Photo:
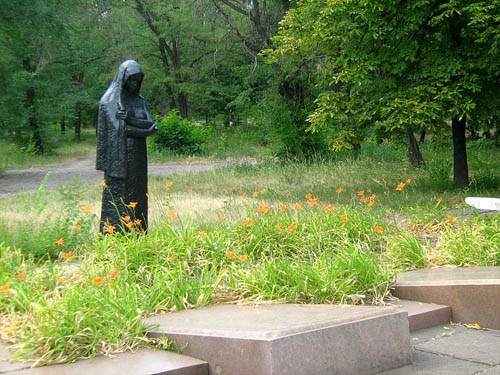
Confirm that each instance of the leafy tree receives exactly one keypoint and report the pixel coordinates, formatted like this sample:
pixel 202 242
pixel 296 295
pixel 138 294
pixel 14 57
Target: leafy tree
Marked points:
pixel 399 65
pixel 28 30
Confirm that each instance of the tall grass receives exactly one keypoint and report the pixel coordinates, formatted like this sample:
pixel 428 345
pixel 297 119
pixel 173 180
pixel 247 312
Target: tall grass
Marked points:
pixel 328 231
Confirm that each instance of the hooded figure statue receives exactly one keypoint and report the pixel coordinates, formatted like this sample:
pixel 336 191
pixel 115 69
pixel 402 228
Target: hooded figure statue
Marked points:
pixel 124 122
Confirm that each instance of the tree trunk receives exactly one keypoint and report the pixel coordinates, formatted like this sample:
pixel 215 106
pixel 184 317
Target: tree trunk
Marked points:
pixel 35 128
pixel 460 169
pixel 422 136
pixel 414 154
pixel 183 107
pixel 78 121
pixel 63 126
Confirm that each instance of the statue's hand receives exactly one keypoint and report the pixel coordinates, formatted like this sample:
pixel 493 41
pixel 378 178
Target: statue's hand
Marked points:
pixel 122 115
pixel 153 129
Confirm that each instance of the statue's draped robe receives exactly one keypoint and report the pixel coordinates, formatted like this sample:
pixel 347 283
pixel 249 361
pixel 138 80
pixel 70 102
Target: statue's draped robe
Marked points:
pixel 123 158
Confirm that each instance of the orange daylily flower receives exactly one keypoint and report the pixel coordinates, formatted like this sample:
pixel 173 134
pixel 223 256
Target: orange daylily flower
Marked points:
pixel 60 280
pixel 6 287
pixel 109 229
pixel 114 273
pixel 103 183
pixel 309 196
pixel 111 282
pixel 132 204
pixel 243 258
pixel 171 213
pixel 378 229
pixel 361 192
pixel 137 221
pixel 60 241
pixel 408 181
pixel 371 203
pixel 231 255
pixel 126 218
pixel 340 190
pixel 129 225
pixel 363 200
pixel 20 276
pixel 373 196
pixel 87 209
pixel 255 194
pixel 283 208
pixel 291 228
pixel 277 226
pixel 169 184
pixel 344 218
pixel 220 218
pixel 263 208
pixel 97 280
pixel 313 202
pixel 440 200
pixel 400 186
pixel 450 219
pixel 201 234
pixel 297 206
pixel 171 258
pixel 78 227
pixel 67 255
pixel 330 207
pixel 248 223
pixel 263 191
pixel 243 195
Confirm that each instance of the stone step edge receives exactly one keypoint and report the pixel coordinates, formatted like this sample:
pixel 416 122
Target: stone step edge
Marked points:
pixel 144 361
pixel 422 315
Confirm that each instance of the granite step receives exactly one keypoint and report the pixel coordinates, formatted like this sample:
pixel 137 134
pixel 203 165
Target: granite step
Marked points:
pixel 141 362
pixel 473 293
pixel 424 315
pixel 276 339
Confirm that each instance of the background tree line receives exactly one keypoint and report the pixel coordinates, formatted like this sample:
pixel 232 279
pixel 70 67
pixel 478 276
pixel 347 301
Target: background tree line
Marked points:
pixel 317 75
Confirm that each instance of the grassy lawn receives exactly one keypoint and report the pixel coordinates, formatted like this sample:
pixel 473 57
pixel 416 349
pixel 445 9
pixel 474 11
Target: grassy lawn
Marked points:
pixel 62 147
pixel 328 231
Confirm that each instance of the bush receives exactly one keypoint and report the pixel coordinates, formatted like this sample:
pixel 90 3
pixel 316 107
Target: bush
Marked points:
pixel 285 122
pixel 179 135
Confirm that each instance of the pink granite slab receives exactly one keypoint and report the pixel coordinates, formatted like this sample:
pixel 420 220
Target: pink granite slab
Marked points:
pixel 473 293
pixel 424 315
pixel 142 362
pixel 277 339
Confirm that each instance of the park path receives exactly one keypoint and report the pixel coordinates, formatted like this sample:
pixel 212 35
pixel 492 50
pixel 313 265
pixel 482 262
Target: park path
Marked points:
pixel 28 180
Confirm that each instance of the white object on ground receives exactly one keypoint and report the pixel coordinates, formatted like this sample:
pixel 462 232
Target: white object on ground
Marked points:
pixel 484 203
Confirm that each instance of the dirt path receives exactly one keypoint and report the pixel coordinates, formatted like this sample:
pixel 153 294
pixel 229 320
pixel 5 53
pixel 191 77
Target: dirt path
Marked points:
pixel 29 180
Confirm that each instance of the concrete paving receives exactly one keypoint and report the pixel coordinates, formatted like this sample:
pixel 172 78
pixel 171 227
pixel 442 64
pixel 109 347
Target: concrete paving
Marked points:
pixel 453 350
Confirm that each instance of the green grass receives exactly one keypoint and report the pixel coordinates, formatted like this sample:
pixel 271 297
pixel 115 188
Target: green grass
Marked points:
pixel 58 148
pixel 224 143
pixel 211 240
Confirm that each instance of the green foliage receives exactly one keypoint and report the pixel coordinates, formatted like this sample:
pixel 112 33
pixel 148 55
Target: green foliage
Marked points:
pixel 393 63
pixel 285 122
pixel 265 247
pixel 180 135
pixel 40 239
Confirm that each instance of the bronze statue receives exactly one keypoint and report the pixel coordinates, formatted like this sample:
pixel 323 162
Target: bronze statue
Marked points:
pixel 124 123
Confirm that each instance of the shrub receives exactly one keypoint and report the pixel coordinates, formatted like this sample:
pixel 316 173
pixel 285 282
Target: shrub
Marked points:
pixel 179 135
